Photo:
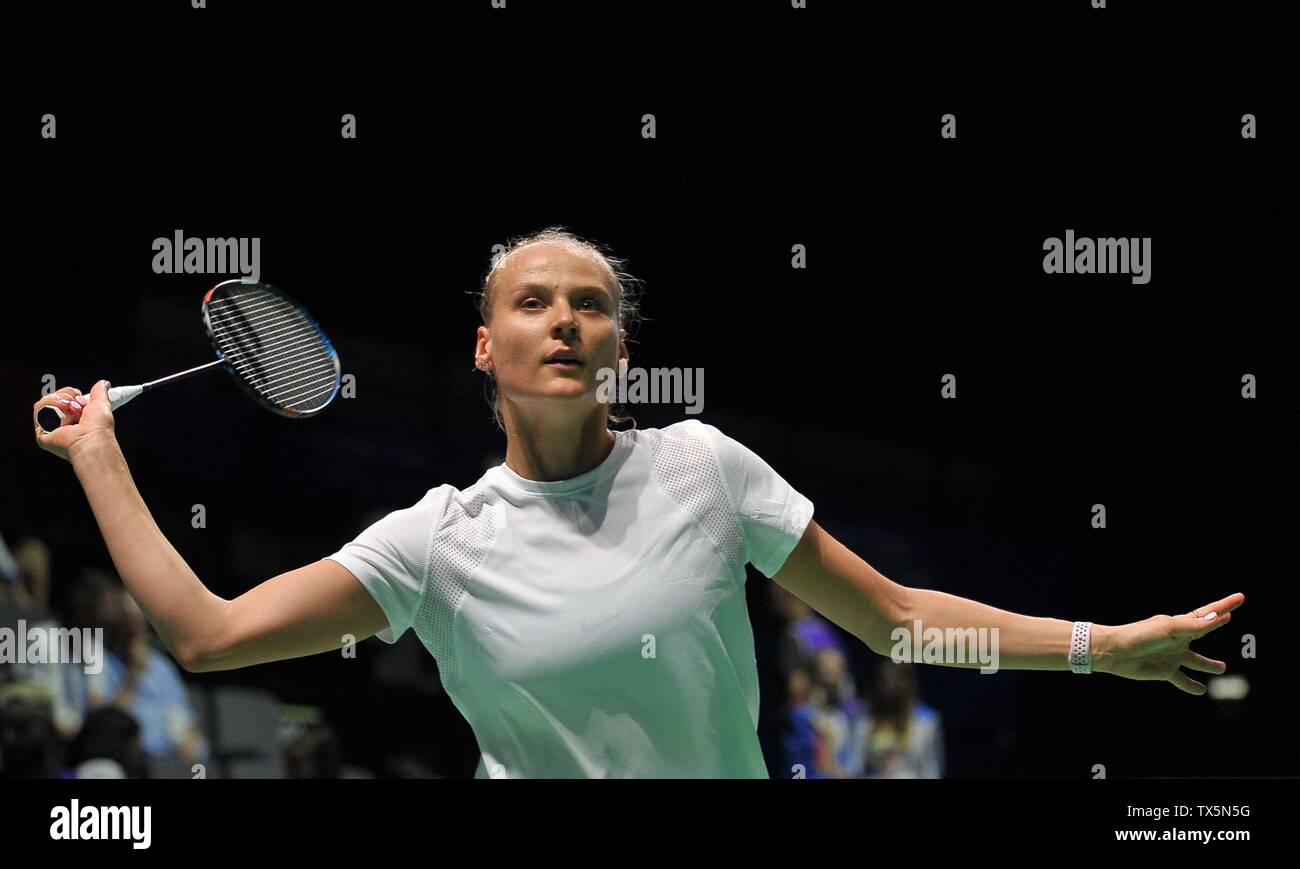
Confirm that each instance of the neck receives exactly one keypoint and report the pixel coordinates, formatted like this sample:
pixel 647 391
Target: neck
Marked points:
pixel 548 447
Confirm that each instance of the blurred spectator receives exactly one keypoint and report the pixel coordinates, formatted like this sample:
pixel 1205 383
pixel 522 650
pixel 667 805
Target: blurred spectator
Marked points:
pixel 802 740
pixel 804 633
pixel 142 680
pixel 314 753
pixel 11 607
pixel 843 719
pixel 407 766
pixel 29 744
pixel 108 746
pixel 904 736
pixel 32 557
pixel 65 681
pixel 8 569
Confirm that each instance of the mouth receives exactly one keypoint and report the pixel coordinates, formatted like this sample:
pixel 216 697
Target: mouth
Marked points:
pixel 564 360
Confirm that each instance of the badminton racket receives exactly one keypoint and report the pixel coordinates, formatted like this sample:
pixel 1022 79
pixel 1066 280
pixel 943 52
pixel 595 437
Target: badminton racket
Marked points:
pixel 266 341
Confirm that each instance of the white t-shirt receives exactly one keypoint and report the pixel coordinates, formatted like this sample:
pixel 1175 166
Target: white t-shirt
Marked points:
pixel 596 626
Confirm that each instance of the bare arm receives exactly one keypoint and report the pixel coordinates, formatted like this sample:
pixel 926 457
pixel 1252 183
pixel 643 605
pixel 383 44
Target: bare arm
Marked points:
pixel 826 575
pixel 851 593
pixel 841 586
pixel 176 603
pixel 302 612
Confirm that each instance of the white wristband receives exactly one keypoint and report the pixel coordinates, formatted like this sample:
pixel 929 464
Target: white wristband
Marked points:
pixel 1080 656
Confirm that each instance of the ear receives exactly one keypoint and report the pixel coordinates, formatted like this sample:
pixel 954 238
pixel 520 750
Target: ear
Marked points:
pixel 481 340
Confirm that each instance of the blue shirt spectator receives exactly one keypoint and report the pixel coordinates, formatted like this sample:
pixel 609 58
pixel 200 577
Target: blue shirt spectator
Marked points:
pixel 159 703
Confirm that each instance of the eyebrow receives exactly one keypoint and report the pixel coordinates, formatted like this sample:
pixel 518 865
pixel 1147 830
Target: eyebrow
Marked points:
pixel 533 287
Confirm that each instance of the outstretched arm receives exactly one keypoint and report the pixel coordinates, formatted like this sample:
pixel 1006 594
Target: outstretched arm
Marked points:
pixel 302 612
pixel 831 579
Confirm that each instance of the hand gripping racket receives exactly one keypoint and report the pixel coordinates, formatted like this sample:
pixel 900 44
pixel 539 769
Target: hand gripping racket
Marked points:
pixel 269 343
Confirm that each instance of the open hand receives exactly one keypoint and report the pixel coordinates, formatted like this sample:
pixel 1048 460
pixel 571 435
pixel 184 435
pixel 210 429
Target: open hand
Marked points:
pixel 1155 648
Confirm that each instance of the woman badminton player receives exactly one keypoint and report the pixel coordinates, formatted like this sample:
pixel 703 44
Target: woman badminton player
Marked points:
pixel 584 600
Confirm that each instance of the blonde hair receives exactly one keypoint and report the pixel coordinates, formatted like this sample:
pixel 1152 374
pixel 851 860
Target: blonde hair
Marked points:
pixel 627 301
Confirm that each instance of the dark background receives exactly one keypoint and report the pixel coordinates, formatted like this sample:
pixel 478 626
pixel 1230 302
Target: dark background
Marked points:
pixel 775 127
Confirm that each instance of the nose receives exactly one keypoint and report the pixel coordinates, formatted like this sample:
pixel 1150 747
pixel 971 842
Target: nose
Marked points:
pixel 564 323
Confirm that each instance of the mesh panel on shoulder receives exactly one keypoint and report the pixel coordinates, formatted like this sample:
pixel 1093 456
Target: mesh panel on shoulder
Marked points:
pixel 457 548
pixel 732 465
pixel 687 469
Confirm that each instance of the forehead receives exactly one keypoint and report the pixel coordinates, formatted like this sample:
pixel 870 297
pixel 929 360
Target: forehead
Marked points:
pixel 554 262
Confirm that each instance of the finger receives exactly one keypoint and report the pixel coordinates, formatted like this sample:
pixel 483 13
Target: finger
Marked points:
pixel 1200 663
pixel 59 397
pixel 71 407
pixel 1191 628
pixel 1186 683
pixel 65 405
pixel 73 399
pixel 1226 605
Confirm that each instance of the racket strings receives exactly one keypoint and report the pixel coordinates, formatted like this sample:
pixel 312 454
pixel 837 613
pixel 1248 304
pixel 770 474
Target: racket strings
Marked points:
pixel 292 371
pixel 274 347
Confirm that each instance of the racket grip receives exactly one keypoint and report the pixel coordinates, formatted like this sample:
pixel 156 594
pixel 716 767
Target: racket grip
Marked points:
pixel 50 416
pixel 120 395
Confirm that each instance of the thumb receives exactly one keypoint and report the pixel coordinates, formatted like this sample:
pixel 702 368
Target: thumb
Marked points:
pixel 98 405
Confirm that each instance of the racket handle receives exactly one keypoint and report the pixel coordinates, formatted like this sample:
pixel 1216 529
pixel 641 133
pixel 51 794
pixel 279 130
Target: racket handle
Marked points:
pixel 50 416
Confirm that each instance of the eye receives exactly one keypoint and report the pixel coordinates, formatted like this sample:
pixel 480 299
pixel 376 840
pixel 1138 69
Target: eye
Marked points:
pixel 530 300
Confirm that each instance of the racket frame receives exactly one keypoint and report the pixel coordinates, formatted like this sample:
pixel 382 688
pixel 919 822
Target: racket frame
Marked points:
pixel 288 413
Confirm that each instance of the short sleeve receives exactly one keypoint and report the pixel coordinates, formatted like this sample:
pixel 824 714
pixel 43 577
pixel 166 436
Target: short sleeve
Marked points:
pixel 391 559
pixel 772 515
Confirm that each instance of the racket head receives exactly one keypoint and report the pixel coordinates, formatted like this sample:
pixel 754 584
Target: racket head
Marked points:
pixel 272 347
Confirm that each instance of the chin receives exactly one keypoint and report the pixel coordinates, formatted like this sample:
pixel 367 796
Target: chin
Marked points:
pixel 565 391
